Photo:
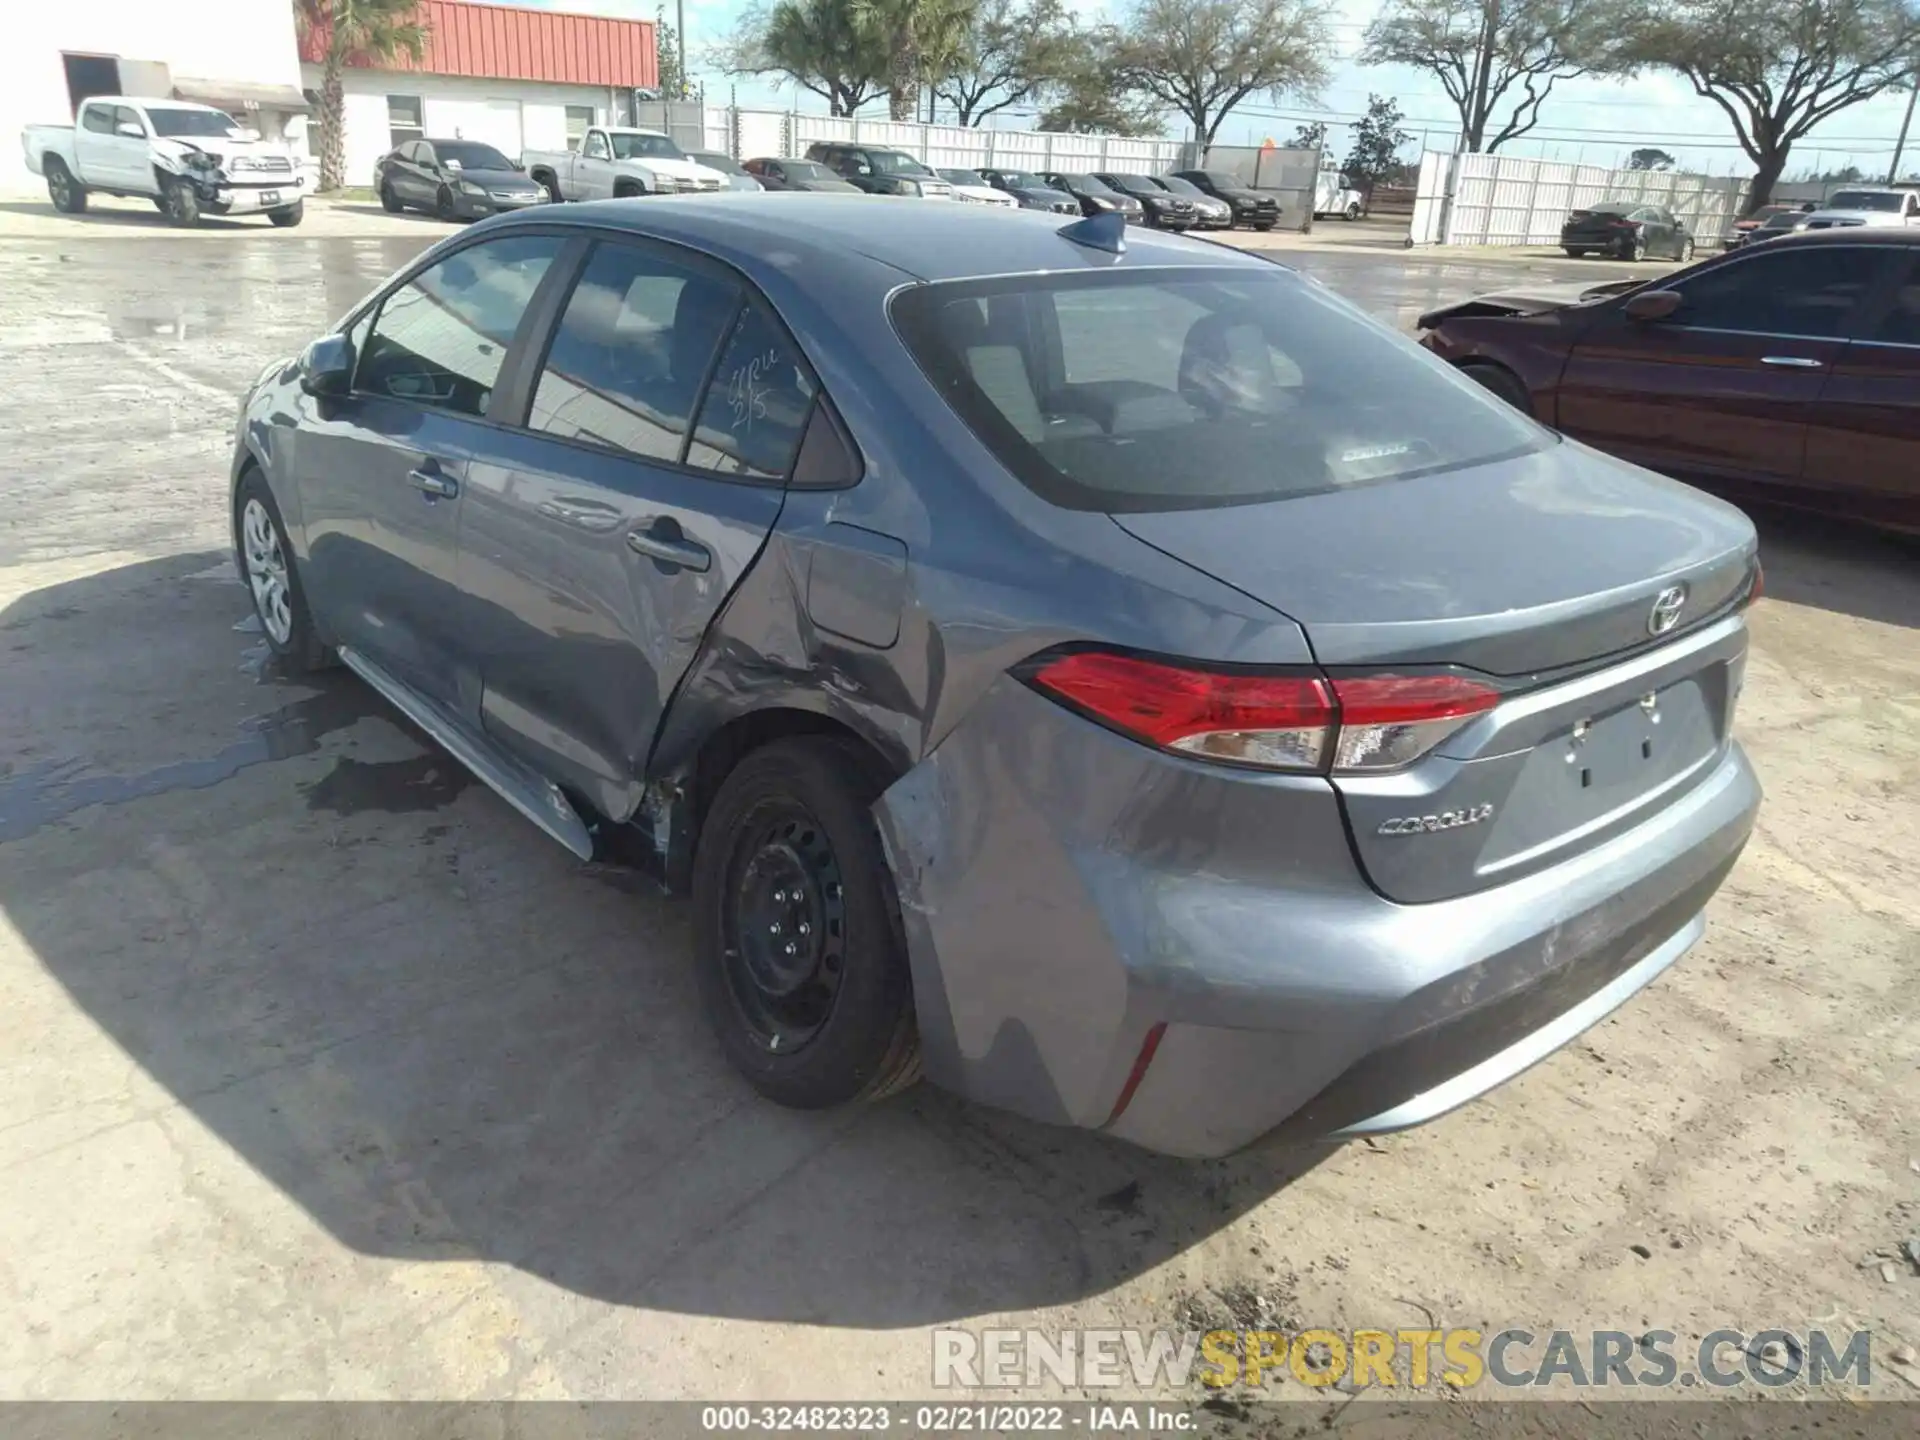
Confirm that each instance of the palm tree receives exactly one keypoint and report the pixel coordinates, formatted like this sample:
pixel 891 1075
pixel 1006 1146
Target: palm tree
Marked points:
pixel 374 29
pixel 921 40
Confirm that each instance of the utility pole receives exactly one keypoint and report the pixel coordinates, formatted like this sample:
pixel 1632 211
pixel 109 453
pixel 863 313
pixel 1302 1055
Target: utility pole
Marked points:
pixel 680 42
pixel 1913 91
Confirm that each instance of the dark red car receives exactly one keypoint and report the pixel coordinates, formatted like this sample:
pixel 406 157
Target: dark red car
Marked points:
pixel 1788 371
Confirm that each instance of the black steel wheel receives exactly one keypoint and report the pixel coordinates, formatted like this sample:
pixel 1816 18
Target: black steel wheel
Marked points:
pixel 802 961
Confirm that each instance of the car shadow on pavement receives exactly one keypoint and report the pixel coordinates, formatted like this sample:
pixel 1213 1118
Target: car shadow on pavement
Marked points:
pixel 442 1037
pixel 123 216
pixel 1836 565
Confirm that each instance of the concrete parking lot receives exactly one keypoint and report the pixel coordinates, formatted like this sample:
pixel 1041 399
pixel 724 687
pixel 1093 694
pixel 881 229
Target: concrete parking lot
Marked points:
pixel 322 1074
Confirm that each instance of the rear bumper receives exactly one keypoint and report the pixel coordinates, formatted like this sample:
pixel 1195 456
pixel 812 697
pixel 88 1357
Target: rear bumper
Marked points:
pixel 1067 893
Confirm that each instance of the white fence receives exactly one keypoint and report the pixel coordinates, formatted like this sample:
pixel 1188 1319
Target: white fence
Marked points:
pixel 744 134
pixel 1505 200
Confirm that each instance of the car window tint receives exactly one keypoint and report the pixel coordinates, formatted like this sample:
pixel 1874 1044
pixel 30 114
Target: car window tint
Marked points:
pixel 1177 390
pixel 1796 292
pixel 441 338
pixel 756 408
pixel 1900 324
pixel 631 351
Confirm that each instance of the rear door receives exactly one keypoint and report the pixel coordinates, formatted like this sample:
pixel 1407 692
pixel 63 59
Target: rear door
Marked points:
pixel 604 534
pixel 381 472
pixel 1863 446
pixel 1725 387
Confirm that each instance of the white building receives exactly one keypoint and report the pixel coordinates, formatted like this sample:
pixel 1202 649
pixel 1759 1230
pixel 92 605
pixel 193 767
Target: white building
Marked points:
pixel 237 54
pixel 516 79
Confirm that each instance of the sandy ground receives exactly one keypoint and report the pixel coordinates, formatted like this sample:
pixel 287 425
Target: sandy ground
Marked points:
pixel 323 1075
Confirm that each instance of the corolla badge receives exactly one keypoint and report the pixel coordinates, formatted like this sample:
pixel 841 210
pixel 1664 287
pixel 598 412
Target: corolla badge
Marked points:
pixel 1445 820
pixel 1667 606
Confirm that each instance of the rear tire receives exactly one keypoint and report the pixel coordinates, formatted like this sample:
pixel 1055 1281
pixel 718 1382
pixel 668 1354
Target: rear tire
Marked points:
pixel 389 201
pixel 1264 226
pixel 1576 252
pixel 289 215
pixel 809 994
pixel 1500 381
pixel 1686 250
pixel 1352 212
pixel 69 196
pixel 443 204
pixel 1637 249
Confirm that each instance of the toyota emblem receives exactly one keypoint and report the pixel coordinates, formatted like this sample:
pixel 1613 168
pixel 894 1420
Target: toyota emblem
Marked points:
pixel 1666 609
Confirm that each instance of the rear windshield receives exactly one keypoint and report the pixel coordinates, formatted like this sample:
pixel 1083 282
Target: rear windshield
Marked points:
pixel 716 162
pixel 1023 180
pixel 1864 200
pixel 964 177
pixel 1178 389
pixel 896 162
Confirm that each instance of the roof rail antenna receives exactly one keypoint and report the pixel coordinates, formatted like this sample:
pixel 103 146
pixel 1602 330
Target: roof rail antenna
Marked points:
pixel 1104 231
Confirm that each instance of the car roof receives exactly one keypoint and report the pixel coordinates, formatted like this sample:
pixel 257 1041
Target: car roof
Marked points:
pixel 925 240
pixel 1848 235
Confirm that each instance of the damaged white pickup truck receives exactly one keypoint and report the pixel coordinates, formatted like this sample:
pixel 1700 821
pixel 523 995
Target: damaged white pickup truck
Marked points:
pixel 190 160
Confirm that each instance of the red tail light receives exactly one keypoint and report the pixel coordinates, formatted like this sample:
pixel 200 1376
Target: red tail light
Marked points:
pixel 1273 722
pixel 1278 722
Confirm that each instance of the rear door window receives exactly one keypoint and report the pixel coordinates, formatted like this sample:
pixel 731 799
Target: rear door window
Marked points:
pixel 756 408
pixel 632 351
pixel 442 337
pixel 98 119
pixel 1812 292
pixel 1164 390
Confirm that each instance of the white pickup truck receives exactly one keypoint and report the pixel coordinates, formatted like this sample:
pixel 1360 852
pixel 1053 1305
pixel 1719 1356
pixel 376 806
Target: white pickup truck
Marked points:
pixel 616 160
pixel 1877 206
pixel 190 160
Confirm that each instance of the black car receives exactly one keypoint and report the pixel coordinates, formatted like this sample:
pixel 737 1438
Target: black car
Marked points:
pixel 1165 210
pixel 880 170
pixel 1209 213
pixel 455 179
pixel 1249 206
pixel 1032 191
pixel 778 174
pixel 1626 230
pixel 1095 195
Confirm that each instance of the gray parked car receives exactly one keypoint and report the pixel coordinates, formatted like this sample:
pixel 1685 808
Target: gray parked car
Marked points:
pixel 1100 668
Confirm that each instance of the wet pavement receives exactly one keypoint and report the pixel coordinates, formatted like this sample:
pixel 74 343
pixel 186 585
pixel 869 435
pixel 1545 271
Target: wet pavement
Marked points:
pixel 323 1074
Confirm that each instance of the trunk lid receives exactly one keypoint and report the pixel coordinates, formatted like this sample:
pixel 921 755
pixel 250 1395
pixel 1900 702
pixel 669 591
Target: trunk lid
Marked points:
pixel 1543 572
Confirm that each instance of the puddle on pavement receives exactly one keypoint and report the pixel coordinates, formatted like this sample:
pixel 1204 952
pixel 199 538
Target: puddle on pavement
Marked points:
pixel 393 787
pixel 38 795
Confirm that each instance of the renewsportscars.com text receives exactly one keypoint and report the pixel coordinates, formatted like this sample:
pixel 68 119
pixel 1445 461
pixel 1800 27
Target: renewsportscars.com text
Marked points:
pixel 1512 1358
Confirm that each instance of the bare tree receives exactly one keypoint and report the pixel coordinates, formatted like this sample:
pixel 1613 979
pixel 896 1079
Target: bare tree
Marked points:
pixel 1495 55
pixel 1012 50
pixel 1778 68
pixel 1203 57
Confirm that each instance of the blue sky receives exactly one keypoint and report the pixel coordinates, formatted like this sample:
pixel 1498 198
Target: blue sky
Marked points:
pixel 1591 121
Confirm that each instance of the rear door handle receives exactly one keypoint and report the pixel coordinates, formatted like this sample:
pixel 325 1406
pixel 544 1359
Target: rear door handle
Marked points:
pixel 663 541
pixel 1792 362
pixel 432 483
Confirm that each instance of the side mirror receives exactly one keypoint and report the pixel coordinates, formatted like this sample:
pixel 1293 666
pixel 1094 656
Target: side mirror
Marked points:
pixel 129 129
pixel 326 366
pixel 1652 304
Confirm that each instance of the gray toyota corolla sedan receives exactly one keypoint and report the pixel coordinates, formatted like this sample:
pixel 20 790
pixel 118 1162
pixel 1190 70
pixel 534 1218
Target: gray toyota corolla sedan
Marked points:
pixel 1106 672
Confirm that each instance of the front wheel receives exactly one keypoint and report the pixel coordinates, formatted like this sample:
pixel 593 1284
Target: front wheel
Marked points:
pixel 1686 249
pixel 266 565
pixel 554 197
pixel 443 204
pixel 182 204
pixel 289 215
pixel 69 196
pixel 1637 249
pixel 802 963
pixel 1501 382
